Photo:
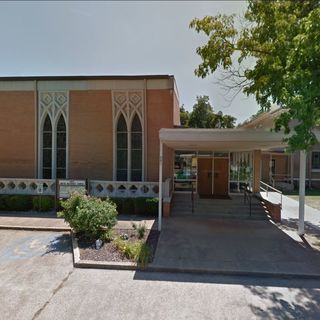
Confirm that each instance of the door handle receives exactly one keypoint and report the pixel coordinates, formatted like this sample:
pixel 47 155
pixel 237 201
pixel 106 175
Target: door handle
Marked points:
pixel 209 175
pixel 216 174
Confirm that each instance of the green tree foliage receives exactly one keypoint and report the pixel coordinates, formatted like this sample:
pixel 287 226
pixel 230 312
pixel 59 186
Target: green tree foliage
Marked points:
pixel 184 116
pixel 281 39
pixel 203 116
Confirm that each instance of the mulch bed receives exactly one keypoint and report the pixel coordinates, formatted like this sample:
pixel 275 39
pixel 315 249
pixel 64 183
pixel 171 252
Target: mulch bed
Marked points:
pixel 108 252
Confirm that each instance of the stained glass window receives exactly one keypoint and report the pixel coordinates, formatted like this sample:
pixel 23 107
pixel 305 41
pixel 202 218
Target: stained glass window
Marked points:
pixel 136 149
pixel 61 151
pixel 122 149
pixel 47 149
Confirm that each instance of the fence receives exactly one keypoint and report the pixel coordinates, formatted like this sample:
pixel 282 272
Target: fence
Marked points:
pixel 97 188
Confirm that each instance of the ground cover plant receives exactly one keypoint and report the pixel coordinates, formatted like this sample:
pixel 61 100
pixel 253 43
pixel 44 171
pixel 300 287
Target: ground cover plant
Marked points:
pixel 125 245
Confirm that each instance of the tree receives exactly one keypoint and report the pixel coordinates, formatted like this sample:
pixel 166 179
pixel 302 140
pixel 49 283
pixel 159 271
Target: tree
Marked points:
pixel 281 40
pixel 203 116
pixel 184 116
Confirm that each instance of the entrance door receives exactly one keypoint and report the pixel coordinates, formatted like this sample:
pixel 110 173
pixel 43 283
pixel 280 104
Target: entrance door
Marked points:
pixel 213 184
pixel 220 180
pixel 205 176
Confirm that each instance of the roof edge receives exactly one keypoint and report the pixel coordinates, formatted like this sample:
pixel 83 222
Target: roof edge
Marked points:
pixel 86 77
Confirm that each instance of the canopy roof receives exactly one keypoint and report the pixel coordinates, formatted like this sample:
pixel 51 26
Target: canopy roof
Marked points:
pixel 221 139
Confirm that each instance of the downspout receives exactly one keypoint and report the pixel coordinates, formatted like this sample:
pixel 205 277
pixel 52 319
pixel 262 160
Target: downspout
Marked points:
pixel 145 133
pixel 36 138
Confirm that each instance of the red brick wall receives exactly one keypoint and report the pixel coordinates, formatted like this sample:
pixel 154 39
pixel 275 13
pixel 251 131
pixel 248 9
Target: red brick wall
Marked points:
pixel 159 115
pixel 17 134
pixel 90 134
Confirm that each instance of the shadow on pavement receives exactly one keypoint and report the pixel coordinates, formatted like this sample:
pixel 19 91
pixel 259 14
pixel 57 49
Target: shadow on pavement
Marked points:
pixel 293 224
pixel 247 281
pixel 304 303
pixel 59 245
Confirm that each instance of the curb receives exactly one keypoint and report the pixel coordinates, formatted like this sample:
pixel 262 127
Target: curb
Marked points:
pixel 77 263
pixel 33 228
pixel 91 264
pixel 233 273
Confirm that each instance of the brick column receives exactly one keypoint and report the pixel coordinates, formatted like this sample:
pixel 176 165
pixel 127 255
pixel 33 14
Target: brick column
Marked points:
pixel 256 170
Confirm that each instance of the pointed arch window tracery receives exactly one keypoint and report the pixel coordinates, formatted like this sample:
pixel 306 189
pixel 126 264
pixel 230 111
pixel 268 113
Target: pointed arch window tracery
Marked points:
pixel 128 118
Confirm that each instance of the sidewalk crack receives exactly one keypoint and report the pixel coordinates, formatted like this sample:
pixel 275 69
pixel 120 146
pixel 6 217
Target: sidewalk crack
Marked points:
pixel 60 286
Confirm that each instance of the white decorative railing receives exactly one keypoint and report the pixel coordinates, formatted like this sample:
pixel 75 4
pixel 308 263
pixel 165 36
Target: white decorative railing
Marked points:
pixel 27 186
pixel 99 188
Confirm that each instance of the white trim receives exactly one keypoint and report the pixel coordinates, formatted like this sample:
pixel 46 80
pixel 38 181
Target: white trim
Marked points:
pixel 69 85
pixel 160 186
pixel 123 102
pixel 54 110
pixel 302 189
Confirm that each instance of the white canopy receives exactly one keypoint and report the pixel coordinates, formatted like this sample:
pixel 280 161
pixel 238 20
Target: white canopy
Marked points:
pixel 221 139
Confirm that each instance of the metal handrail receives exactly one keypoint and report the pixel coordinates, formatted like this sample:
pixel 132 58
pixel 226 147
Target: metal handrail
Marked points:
pixel 247 195
pixel 192 198
pixel 267 186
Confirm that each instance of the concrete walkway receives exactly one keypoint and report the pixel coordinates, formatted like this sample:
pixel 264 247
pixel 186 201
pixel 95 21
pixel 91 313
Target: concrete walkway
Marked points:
pixel 33 223
pixel 50 222
pixel 290 210
pixel 232 247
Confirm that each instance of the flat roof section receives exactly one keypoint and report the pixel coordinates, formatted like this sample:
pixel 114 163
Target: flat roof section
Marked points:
pixel 86 77
pixel 221 139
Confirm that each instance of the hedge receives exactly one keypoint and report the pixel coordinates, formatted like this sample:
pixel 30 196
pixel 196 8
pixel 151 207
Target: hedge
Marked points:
pixel 25 203
pixel 138 206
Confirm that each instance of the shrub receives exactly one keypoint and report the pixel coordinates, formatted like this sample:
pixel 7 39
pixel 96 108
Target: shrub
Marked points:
pixel 118 202
pixel 3 202
pixel 152 206
pixel 137 251
pixel 128 206
pixel 139 205
pixel 89 216
pixel 42 203
pixel 18 203
pixel 140 229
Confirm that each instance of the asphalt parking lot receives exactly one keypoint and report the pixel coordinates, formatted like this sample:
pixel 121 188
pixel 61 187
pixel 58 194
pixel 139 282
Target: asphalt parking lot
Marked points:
pixel 38 281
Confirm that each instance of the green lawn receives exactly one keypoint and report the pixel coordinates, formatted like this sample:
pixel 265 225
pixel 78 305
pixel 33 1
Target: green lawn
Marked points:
pixel 312 197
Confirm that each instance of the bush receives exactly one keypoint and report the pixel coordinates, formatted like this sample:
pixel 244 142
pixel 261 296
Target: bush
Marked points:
pixel 118 202
pixel 137 251
pixel 152 206
pixel 140 229
pixel 42 203
pixel 89 216
pixel 18 203
pixel 3 202
pixel 139 205
pixel 128 206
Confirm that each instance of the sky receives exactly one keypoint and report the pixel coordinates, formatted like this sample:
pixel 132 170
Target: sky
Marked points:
pixel 115 38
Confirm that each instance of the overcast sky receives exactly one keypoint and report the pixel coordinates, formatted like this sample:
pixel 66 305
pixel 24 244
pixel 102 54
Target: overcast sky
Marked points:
pixel 114 38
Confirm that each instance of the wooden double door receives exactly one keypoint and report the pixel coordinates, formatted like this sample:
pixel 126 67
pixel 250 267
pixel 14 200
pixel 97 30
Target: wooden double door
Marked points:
pixel 213 176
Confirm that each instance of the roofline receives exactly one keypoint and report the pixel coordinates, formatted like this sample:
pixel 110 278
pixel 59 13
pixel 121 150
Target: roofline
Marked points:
pixel 86 77
pixel 262 116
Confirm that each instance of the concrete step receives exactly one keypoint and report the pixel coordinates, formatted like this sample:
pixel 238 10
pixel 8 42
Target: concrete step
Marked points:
pixel 221 215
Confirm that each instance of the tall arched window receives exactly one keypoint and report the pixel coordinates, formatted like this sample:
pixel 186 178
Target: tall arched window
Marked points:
pixel 136 149
pixel 122 149
pixel 47 149
pixel 61 150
